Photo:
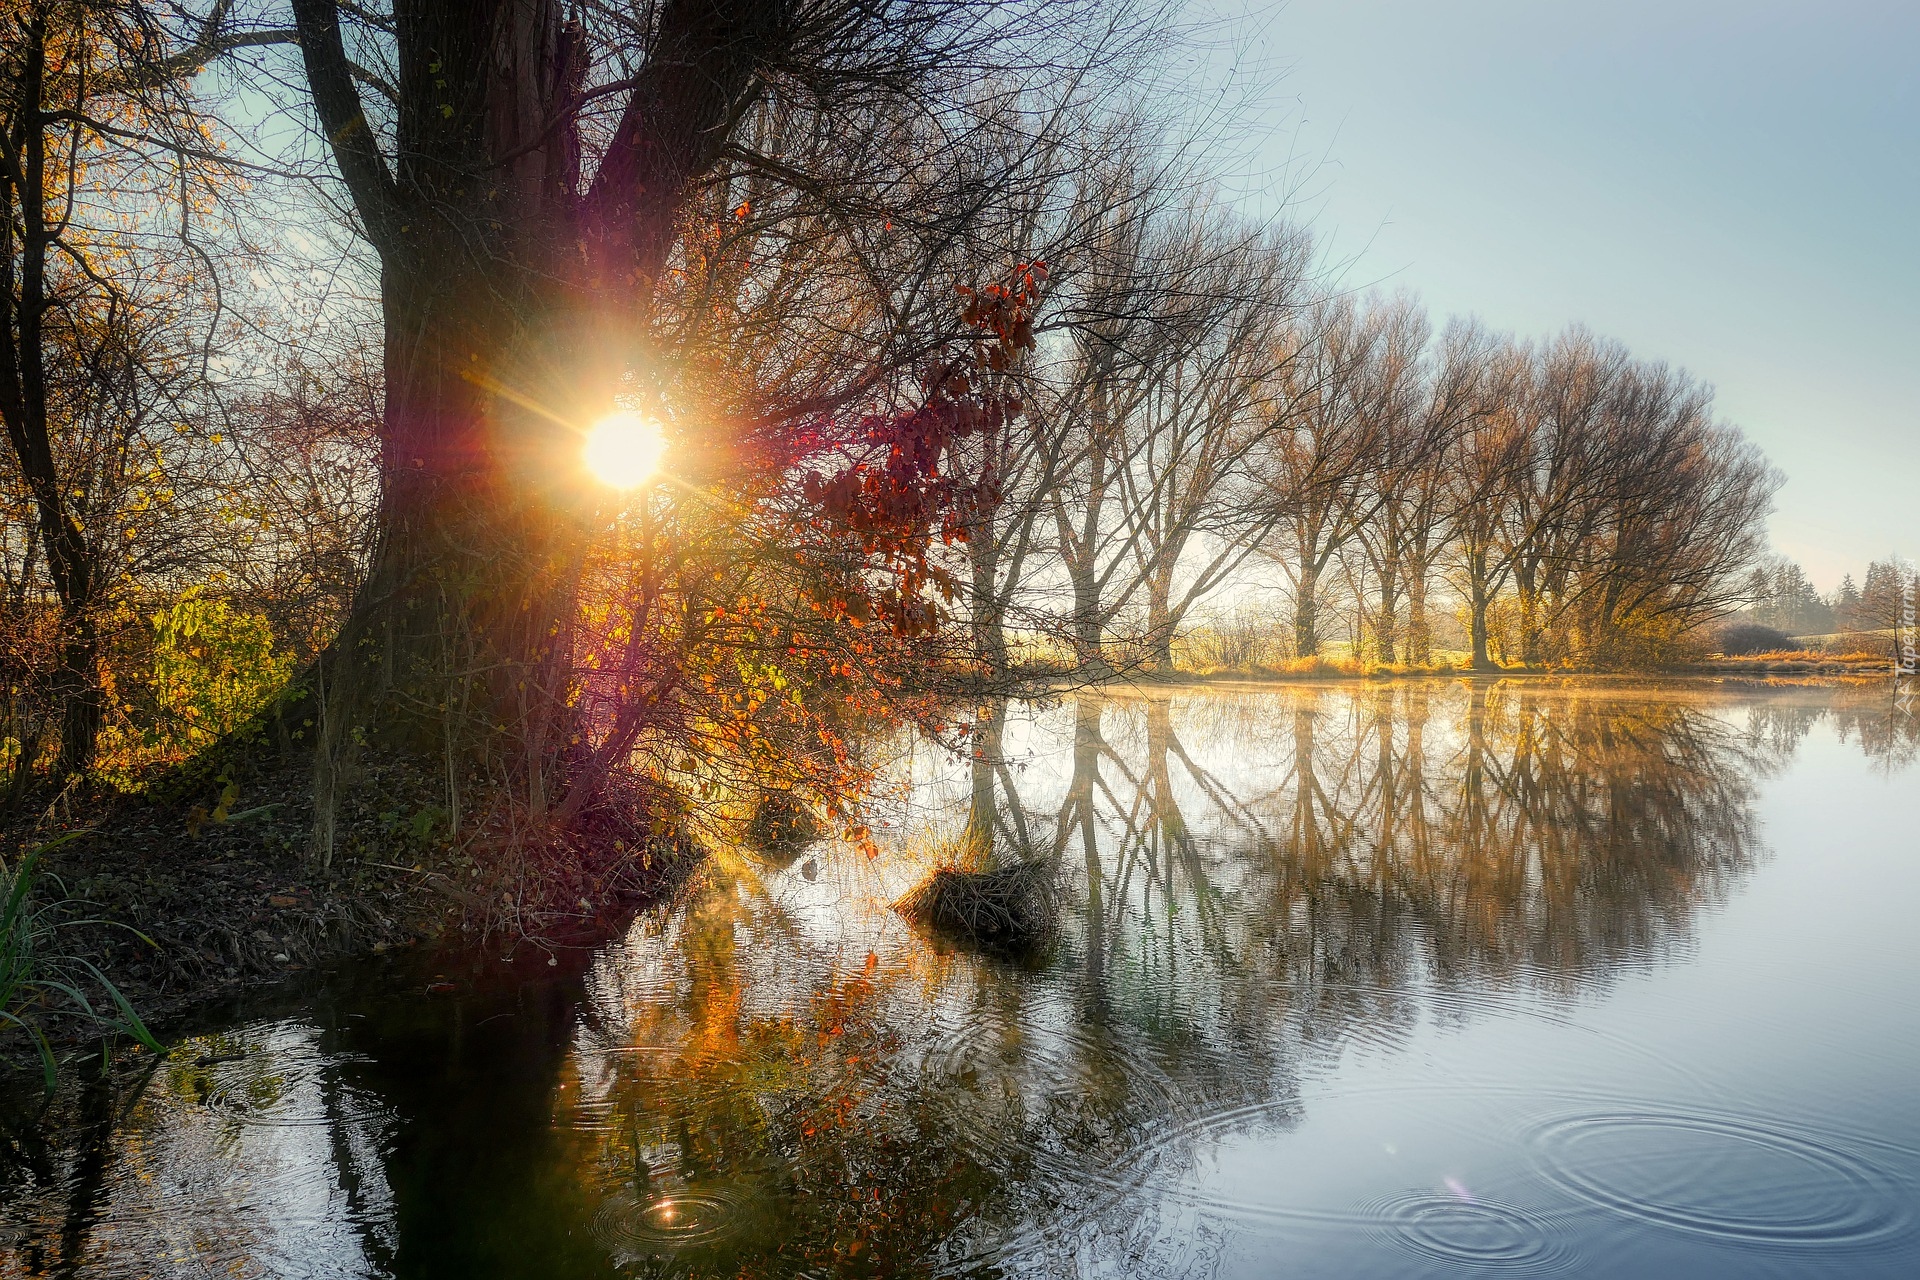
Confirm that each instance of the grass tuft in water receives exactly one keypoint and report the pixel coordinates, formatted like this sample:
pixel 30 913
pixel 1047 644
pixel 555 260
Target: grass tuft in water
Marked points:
pixel 781 826
pixel 1013 908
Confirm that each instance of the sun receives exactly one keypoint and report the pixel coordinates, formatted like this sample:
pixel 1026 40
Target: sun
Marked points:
pixel 624 449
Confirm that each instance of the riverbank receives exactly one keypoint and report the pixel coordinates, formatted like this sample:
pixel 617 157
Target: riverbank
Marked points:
pixel 1794 664
pixel 187 901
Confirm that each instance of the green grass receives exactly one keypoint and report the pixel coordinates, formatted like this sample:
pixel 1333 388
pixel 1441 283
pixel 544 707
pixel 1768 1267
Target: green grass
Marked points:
pixel 37 980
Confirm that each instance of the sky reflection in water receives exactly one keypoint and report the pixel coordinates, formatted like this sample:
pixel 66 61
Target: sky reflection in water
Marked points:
pixel 1360 980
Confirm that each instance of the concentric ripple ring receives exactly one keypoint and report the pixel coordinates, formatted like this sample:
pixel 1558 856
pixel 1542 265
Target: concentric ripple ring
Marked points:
pixel 686 1219
pixel 1719 1176
pixel 1482 1234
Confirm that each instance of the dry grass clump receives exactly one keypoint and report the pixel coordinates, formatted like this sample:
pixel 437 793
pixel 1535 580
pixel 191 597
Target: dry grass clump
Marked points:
pixel 1321 664
pixel 782 826
pixel 1438 667
pixel 1011 909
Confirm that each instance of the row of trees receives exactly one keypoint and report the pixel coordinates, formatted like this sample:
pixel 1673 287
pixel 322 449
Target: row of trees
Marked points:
pixel 1200 415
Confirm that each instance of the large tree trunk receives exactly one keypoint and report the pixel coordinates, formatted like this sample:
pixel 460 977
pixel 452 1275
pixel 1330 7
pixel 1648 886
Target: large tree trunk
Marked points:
pixel 1530 628
pixel 511 297
pixel 1479 599
pixel 1306 611
pixel 1386 627
pixel 82 700
pixel 1419 631
pixel 1089 652
pixel 1160 619
pixel 455 647
pixel 24 303
pixel 988 619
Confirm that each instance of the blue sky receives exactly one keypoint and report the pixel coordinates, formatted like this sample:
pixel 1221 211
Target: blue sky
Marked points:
pixel 1728 185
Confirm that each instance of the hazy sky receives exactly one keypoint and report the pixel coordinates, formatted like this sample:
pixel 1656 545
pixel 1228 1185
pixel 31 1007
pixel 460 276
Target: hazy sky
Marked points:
pixel 1728 185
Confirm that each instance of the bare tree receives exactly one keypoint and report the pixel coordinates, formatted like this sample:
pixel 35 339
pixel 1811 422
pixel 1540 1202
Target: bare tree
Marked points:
pixel 1316 473
pixel 1410 437
pixel 1191 499
pixel 1557 492
pixel 1491 453
pixel 1684 503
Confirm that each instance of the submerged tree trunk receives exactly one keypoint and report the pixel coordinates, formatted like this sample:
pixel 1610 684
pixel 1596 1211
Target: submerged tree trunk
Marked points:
pixel 989 750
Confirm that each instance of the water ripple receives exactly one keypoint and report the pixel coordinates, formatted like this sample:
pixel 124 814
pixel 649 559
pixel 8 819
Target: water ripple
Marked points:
pixel 1482 1234
pixel 1742 1181
pixel 691 1218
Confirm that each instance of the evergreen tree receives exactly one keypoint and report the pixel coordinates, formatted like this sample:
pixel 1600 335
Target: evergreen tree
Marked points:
pixel 1846 605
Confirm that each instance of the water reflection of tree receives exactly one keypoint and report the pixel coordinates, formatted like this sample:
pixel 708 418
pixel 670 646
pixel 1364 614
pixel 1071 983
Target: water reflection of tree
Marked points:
pixel 851 1119
pixel 210 1161
pixel 1386 839
pixel 1482 831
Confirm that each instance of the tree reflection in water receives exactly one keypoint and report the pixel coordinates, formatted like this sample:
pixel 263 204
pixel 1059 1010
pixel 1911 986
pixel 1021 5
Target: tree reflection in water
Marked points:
pixel 777 1075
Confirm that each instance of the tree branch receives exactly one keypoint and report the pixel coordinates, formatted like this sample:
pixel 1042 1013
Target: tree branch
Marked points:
pixel 337 103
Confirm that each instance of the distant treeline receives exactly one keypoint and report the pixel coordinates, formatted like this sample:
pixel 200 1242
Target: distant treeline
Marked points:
pixel 1781 598
pixel 965 357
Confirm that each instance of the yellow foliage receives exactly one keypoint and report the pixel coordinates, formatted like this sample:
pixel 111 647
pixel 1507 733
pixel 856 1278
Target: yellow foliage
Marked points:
pixel 213 667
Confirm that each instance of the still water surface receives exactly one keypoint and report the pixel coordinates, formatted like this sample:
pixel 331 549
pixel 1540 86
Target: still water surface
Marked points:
pixel 1396 980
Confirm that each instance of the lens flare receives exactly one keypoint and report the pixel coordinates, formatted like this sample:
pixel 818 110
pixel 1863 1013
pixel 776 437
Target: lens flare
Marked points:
pixel 624 449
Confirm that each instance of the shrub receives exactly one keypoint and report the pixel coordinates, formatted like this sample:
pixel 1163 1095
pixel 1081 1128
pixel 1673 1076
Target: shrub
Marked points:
pixel 1748 637
pixel 1238 641
pixel 213 666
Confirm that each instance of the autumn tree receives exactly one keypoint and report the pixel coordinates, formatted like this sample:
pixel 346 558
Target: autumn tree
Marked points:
pixel 105 163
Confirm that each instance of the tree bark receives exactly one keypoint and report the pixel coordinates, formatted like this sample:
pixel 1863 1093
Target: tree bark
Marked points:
pixel 1160 620
pixel 1478 601
pixel 24 301
pixel 984 611
pixel 1419 633
pixel 1530 628
pixel 1306 612
pixel 1386 627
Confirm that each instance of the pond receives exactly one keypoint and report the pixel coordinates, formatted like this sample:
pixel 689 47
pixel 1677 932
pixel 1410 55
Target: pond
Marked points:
pixel 1394 979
